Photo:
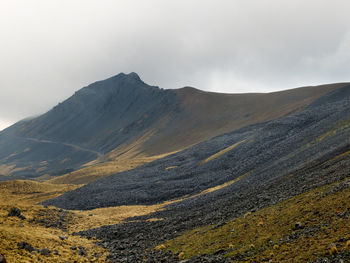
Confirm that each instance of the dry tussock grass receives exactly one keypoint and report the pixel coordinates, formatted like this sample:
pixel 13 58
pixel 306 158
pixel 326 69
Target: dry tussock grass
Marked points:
pixel 101 170
pixel 24 195
pixel 319 211
pixel 123 158
pixel 218 154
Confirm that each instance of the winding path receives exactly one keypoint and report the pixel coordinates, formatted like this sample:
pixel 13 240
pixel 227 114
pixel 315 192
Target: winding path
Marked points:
pixel 76 147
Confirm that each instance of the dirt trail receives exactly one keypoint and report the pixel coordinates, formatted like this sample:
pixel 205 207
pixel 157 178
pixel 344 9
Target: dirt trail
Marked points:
pixel 76 147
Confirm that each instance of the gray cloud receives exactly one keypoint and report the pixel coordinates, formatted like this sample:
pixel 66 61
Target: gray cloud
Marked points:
pixel 49 49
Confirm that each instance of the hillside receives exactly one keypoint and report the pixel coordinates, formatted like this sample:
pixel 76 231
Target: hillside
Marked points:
pixel 122 114
pixel 85 127
pixel 51 228
pixel 262 152
pixel 270 170
pixel 275 190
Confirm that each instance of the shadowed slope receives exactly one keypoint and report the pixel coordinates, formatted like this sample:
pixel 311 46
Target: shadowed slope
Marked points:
pixel 94 121
pixel 99 121
pixel 271 149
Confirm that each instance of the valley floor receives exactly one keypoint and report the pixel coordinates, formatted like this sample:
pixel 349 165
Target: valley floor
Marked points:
pixel 310 227
pixel 52 228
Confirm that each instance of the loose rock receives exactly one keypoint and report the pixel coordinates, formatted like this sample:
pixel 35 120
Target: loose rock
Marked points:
pixel 45 252
pixel 16 212
pixel 82 252
pixel 24 245
pixel 298 225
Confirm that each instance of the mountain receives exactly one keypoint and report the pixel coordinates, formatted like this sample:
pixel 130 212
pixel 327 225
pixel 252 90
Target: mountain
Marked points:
pixel 108 118
pixel 179 176
pixel 256 154
pixel 92 122
pixel 285 180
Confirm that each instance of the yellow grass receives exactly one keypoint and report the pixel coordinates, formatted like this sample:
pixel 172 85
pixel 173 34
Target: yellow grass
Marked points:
pixel 29 192
pixel 101 170
pixel 6 169
pixel 85 220
pixel 24 195
pixel 256 237
pixel 218 154
pixel 171 167
pixel 218 187
pixel 123 158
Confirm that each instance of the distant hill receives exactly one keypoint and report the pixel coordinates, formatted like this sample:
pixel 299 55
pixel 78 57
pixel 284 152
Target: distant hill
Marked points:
pixel 102 121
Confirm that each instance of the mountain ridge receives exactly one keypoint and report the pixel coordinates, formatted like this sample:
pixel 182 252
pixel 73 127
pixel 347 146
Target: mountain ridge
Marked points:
pixel 111 114
pixel 292 168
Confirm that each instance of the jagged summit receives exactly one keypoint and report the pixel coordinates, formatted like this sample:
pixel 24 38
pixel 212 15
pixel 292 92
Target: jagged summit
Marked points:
pixel 132 76
pixel 119 81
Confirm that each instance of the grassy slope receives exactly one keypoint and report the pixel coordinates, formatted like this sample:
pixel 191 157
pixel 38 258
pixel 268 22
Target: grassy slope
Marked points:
pixel 265 233
pixel 208 114
pixel 38 228
pixel 126 157
pixel 100 170
pixel 202 115
pixel 258 236
pixel 258 229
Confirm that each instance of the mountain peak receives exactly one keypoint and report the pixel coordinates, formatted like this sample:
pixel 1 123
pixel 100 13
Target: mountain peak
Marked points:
pixel 121 80
pixel 132 76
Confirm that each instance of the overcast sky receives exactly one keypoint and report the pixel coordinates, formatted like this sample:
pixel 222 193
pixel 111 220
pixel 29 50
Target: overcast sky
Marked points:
pixel 50 49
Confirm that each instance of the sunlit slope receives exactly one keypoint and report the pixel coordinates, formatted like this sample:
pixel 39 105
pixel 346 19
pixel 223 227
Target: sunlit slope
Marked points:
pixel 263 152
pixel 44 227
pixel 268 224
pixel 306 227
pixel 122 111
pixel 35 230
pixel 297 213
pixel 208 114
pixel 100 170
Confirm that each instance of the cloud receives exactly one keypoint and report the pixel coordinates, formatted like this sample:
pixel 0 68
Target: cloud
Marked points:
pixel 4 124
pixel 49 49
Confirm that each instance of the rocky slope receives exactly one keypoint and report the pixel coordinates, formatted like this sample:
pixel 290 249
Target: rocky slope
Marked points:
pixel 273 162
pixel 105 117
pixel 262 153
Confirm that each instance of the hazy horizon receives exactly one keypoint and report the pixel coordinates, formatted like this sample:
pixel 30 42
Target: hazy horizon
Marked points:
pixel 50 49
